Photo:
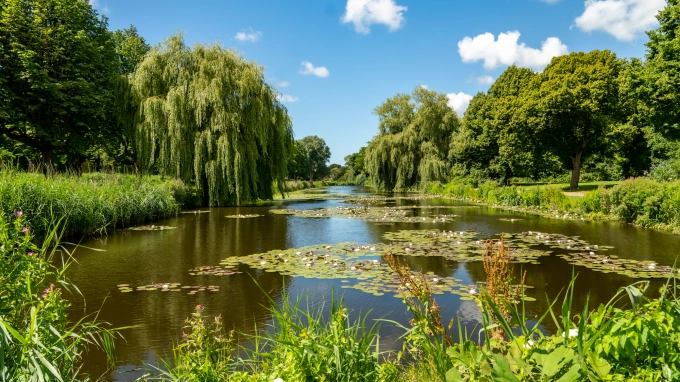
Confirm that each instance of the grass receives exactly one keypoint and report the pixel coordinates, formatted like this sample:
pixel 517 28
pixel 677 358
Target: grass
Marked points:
pixel 91 203
pixel 583 187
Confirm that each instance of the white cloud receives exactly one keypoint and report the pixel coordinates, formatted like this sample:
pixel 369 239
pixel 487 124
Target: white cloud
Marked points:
pixel 623 19
pixel 459 102
pixel 484 80
pixel 287 98
pixel 248 36
pixel 364 13
pixel 309 69
pixel 423 86
pixel 97 5
pixel 506 51
pixel 284 84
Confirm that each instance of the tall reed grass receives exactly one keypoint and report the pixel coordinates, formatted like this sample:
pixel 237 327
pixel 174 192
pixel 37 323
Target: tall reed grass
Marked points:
pixel 91 203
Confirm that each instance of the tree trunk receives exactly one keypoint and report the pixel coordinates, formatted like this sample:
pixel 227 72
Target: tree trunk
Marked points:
pixel 576 170
pixel 506 176
pixel 47 164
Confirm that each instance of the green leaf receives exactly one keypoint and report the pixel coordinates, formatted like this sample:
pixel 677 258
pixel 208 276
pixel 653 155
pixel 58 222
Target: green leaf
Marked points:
pixel 501 371
pixel 453 375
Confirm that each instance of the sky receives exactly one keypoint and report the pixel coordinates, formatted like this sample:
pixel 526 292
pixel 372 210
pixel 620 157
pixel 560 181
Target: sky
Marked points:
pixel 334 61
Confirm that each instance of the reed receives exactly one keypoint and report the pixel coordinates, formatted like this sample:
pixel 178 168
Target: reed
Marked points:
pixel 93 203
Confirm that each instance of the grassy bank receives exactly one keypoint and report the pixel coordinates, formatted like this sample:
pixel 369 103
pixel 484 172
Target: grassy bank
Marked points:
pixel 639 201
pixel 629 338
pixel 91 203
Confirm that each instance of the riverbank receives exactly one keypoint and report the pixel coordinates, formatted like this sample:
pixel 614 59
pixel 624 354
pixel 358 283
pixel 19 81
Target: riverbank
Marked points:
pixel 88 204
pixel 637 201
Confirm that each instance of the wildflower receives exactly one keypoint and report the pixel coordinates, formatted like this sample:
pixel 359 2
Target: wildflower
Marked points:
pixel 529 344
pixel 19 213
pixel 278 380
pixel 199 307
pixel 30 254
pixel 24 230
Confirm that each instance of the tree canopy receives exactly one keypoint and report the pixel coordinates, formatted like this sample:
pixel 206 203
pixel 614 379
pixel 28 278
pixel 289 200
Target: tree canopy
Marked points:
pixel 57 63
pixel 207 116
pixel 413 140
pixel 577 100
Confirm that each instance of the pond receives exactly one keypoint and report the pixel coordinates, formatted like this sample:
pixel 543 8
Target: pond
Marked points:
pixel 170 260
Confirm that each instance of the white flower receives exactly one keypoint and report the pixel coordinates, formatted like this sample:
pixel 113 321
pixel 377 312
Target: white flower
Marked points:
pixel 529 344
pixel 572 333
pixel 263 262
pixel 278 380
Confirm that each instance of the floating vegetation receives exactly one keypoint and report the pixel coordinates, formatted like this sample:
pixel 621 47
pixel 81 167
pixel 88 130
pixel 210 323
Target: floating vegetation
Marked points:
pixel 626 267
pixel 151 228
pixel 370 214
pixel 557 241
pixel 195 212
pixel 452 245
pixel 509 219
pixel 246 216
pixel 168 287
pixel 212 270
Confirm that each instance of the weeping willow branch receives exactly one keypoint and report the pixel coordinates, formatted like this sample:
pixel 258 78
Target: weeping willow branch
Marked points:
pixel 207 116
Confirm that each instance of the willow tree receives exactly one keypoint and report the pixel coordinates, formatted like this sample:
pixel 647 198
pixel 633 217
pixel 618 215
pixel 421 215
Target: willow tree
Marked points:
pixel 207 116
pixel 412 144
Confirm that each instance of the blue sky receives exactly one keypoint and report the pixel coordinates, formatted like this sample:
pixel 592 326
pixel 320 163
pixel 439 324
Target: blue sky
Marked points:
pixel 334 61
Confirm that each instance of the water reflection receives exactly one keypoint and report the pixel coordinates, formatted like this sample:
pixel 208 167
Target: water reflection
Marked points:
pixel 141 258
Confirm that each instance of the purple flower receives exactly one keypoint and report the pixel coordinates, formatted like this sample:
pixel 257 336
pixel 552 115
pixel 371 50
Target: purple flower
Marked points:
pixel 19 213
pixel 24 230
pixel 199 307
pixel 30 254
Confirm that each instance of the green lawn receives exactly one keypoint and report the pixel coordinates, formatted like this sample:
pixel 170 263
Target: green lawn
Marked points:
pixel 582 187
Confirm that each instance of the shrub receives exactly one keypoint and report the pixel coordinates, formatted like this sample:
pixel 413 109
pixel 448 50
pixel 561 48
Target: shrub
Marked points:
pixel 37 343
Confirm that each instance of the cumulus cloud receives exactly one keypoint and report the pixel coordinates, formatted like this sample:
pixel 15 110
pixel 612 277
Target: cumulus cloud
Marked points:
pixel 484 80
pixel 287 98
pixel 364 13
pixel 507 51
pixel 623 19
pixel 248 36
pixel 459 102
pixel 309 69
pixel 423 86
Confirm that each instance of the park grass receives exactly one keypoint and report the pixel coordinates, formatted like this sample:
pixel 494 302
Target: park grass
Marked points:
pixel 93 203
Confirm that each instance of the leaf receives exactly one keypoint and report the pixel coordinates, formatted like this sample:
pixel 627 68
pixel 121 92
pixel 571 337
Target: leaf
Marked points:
pixel 556 360
pixel 501 371
pixel 571 375
pixel 453 375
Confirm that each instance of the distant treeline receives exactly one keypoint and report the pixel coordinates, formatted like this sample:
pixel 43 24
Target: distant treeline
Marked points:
pixel 610 117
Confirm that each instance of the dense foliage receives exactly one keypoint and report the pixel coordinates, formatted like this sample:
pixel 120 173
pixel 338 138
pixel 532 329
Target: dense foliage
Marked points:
pixel 57 62
pixel 413 140
pixel 208 117
pixel 76 96
pixel 309 159
pixel 37 341
pixel 90 203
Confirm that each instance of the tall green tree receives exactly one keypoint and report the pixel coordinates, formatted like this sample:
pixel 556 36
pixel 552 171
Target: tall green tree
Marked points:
pixel 318 154
pixel 660 86
pixel 355 161
pixel 577 99
pixel 497 137
pixel 209 117
pixel 57 62
pixel 413 140
pixel 120 142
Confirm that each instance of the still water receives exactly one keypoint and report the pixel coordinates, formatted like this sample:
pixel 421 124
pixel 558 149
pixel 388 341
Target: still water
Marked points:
pixel 147 257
